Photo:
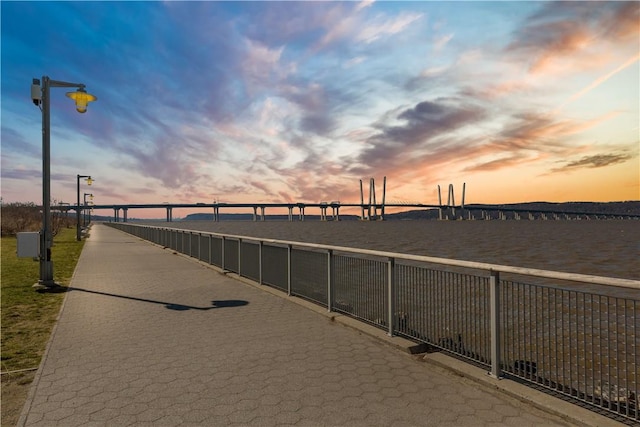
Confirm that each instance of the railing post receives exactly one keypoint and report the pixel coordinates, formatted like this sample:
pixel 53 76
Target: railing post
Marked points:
pixel 494 295
pixel 289 251
pixel 391 293
pixel 329 280
pixel 260 245
pixel 210 249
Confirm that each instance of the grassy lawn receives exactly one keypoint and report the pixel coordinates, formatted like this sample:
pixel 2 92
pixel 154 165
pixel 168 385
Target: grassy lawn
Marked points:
pixel 28 316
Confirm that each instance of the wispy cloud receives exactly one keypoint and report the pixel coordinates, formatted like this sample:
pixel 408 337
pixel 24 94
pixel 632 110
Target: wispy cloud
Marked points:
pixel 599 81
pixel 379 28
pixel 594 161
pixel 564 34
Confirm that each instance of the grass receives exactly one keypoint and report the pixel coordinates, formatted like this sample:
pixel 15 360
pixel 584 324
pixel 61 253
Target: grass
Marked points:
pixel 28 316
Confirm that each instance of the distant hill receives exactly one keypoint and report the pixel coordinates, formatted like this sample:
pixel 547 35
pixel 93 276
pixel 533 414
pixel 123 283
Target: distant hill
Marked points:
pixel 623 208
pixel 608 208
pixel 249 217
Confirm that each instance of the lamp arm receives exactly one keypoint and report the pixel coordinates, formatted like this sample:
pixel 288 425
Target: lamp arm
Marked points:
pixel 58 83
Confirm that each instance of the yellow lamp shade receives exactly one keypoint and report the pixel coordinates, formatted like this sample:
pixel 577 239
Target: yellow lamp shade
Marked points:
pixel 89 181
pixel 82 99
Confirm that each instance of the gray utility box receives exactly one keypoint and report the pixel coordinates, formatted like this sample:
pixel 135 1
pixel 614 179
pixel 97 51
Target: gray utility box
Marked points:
pixel 28 244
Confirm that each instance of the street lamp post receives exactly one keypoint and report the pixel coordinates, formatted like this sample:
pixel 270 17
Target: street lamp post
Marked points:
pixel 40 97
pixel 85 207
pixel 78 210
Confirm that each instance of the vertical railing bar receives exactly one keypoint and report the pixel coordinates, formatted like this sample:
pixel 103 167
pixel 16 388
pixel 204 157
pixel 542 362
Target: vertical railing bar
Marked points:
pixel 447 307
pixel 239 257
pixel 460 296
pixel 476 326
pixel 578 343
pixel 472 293
pixel 431 323
pixel 609 350
pixel 483 327
pixel 415 296
pixel 600 350
pixel 426 285
pixel 529 328
pixel 465 294
pixel 522 308
pixel 593 365
pixel 636 353
pixel 506 292
pixel 555 333
pixel 437 295
pixel 615 355
pixel 224 245
pixel 584 343
pixel 330 266
pixel 483 307
pixel 474 350
pixel 447 303
pixel 470 298
pixel 494 283
pixel 626 359
pixel 512 322
pixel 441 312
pixel 562 344
pixel 518 336
pixel 537 320
pixel 570 345
pixel 523 327
pixel 391 293
pixel 453 315
pixel 289 253
pixel 260 247
pixel 210 249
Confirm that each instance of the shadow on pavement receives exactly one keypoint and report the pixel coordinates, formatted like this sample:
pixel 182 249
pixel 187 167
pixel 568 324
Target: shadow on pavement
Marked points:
pixel 170 305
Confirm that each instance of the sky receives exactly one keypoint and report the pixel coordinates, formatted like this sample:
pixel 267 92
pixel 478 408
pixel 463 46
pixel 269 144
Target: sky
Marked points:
pixel 270 102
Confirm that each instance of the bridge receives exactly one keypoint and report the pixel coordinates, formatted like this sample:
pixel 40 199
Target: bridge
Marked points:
pixel 368 211
pixel 371 210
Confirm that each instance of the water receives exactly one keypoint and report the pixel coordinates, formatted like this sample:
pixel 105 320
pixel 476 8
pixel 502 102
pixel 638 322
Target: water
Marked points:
pixel 608 248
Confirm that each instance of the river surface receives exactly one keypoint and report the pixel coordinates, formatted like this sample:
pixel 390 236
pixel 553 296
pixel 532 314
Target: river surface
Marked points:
pixel 608 248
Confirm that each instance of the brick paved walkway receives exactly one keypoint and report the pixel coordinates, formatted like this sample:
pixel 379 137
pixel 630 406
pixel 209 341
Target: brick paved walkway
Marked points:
pixel 147 337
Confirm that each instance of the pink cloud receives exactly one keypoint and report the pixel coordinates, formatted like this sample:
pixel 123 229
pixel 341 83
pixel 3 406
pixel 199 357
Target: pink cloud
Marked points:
pixel 566 35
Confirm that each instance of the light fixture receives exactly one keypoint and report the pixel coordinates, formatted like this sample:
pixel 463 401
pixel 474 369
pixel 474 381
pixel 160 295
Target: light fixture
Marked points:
pixel 82 99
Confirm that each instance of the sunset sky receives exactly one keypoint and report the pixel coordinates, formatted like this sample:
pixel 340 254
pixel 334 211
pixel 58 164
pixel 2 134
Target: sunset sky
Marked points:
pixel 298 101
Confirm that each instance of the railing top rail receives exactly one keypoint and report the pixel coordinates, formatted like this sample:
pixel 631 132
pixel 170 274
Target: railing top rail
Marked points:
pixel 575 277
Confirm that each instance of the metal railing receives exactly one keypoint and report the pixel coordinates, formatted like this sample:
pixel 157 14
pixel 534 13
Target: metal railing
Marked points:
pixel 543 327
